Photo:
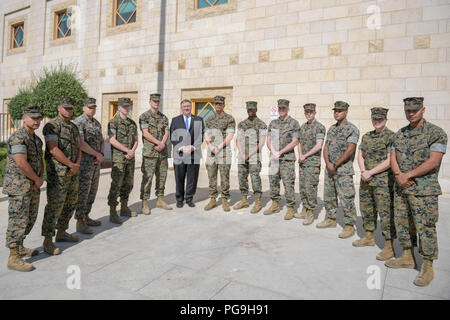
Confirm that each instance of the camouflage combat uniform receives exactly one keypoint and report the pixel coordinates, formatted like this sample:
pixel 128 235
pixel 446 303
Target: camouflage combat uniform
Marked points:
pixel 249 132
pixel 310 170
pixel 281 133
pixel 23 201
pixel 218 127
pixel 62 191
pixel 91 131
pixel 122 173
pixel 153 162
pixel 377 195
pixel 416 207
pixel 340 186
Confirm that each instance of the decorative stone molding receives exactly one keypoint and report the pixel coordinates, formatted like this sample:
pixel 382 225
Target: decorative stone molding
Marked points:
pixel 9 49
pixel 111 29
pixel 54 41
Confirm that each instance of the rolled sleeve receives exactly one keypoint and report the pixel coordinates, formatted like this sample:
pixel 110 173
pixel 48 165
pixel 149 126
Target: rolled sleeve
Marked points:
pixel 438 147
pixel 144 126
pixel 19 148
pixel 112 131
pixel 352 139
pixel 320 136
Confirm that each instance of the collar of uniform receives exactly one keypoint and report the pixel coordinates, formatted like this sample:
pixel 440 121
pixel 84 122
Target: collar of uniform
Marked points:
pixel 379 133
pixel 87 118
pixel 344 123
pixel 157 113
pixel 58 117
pixel 417 130
pixel 120 118
pixel 287 118
pixel 307 123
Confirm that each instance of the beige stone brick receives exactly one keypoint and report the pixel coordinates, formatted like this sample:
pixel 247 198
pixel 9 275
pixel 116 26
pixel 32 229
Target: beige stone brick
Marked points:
pixel 398 44
pixel 309 88
pixel 361 34
pixel 349 23
pixel 335 12
pixel 362 60
pixel 234 59
pixel 264 56
pixel 334 37
pixel 436 13
pixel 308 64
pixel 321 75
pixel 333 87
pixel 333 62
pixel 310 40
pixel 322 26
pixel 421 42
pixel 421 84
pixel 422 56
pixel 352 48
pixel 388 85
pixel 435 69
pixel 405 16
pixel 405 71
pixel 374 99
pixel 297 29
pixel 361 86
pixel 390 58
pixel 311 15
pixel 377 72
pixel 348 74
pixel 314 52
pixel 376 45
pixel 334 49
pixel 440 40
pixel 283 89
pixel 393 31
pixel 297 53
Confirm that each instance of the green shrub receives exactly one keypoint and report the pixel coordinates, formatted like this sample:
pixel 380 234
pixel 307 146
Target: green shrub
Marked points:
pixel 23 98
pixel 57 82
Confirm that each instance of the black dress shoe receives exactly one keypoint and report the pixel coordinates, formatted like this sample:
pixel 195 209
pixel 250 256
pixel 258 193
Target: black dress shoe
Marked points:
pixel 190 204
pixel 180 204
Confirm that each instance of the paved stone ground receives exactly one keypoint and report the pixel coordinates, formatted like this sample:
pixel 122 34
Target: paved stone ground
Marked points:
pixel 192 254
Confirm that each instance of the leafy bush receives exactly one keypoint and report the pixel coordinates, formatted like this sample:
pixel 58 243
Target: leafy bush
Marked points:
pixel 55 82
pixel 23 98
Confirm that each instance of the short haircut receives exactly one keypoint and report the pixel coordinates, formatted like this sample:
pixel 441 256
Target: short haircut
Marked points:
pixel 186 100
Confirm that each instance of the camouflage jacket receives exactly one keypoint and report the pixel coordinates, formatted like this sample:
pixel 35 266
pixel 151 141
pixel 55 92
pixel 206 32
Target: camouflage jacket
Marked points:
pixel 125 131
pixel 15 182
pixel 157 125
pixel 412 148
pixel 281 133
pixel 249 133
pixel 337 139
pixel 218 127
pixel 309 134
pixel 91 131
pixel 68 137
pixel 376 146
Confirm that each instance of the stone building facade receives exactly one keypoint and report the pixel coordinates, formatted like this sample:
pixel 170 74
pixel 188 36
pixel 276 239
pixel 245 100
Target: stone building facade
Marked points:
pixel 368 53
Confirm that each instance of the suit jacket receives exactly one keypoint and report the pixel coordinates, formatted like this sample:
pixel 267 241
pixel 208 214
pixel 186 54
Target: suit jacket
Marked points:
pixel 180 137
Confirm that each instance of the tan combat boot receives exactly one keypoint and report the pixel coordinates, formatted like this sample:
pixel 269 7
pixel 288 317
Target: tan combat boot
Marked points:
pixel 425 275
pixel 49 247
pixel 160 203
pixel 347 231
pixel 257 206
pixel 242 204
pixel 309 217
pixel 25 252
pixel 274 208
pixel 82 226
pixel 225 205
pixel 145 209
pixel 15 262
pixel 367 240
pixel 113 217
pixel 406 260
pixel 289 213
pixel 211 204
pixel 327 223
pixel 63 236
pixel 125 211
pixel 387 252
pixel 302 214
pixel 92 223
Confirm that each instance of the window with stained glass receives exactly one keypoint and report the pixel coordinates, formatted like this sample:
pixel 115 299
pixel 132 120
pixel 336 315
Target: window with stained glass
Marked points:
pixel 124 11
pixel 63 24
pixel 204 108
pixel 209 3
pixel 17 36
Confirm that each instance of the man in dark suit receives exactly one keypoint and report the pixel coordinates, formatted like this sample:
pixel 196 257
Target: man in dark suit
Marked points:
pixel 186 135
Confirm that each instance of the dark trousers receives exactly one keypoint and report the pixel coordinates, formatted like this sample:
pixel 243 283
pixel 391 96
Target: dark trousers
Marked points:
pixel 181 171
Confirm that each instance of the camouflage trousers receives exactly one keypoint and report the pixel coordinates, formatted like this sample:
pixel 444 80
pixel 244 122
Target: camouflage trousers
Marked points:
pixel 122 180
pixel 252 169
pixel 282 170
pixel 87 190
pixel 22 211
pixel 213 167
pixel 379 201
pixel 417 215
pixel 153 167
pixel 308 182
pixel 62 198
pixel 340 187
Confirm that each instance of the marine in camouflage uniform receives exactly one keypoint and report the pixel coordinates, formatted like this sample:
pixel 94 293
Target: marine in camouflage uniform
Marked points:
pixel 218 128
pixel 124 131
pixel 62 179
pixel 339 183
pixel 154 163
pixel 311 132
pixel 282 132
pixel 91 134
pixel 23 194
pixel 415 160
pixel 250 131
pixel 376 194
